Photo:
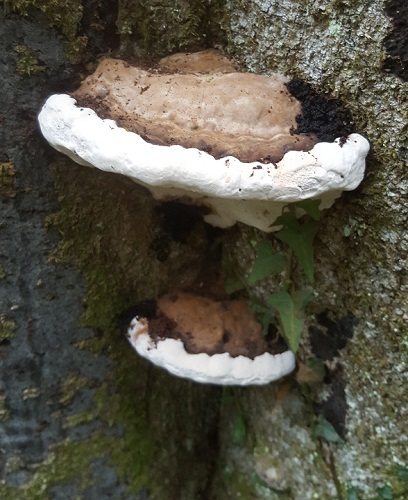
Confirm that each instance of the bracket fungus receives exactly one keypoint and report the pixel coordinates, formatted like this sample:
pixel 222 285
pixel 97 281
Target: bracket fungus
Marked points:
pixel 217 342
pixel 197 129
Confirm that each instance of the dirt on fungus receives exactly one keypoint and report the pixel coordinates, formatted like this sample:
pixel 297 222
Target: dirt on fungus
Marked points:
pixel 212 327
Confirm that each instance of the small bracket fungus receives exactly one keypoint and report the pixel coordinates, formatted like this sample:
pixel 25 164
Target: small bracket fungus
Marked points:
pixel 195 128
pixel 208 341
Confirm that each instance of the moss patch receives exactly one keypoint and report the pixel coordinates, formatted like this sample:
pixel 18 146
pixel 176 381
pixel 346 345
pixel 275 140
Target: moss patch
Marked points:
pixel 27 63
pixel 7 328
pixel 65 16
pixel 157 28
pixel 159 432
pixel 4 411
pixel 7 179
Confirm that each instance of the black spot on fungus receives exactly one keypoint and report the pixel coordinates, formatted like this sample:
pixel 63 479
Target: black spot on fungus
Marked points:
pixel 226 337
pixel 320 115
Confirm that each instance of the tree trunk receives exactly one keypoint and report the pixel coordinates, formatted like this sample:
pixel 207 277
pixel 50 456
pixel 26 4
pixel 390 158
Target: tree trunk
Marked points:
pixel 81 414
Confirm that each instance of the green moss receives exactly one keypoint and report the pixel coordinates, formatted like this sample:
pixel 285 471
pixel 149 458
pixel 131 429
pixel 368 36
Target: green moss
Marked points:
pixel 31 393
pixel 68 461
pixel 85 223
pixel 159 426
pixel 65 16
pixel 157 28
pixel 27 63
pixel 60 14
pixel 7 328
pixel 4 411
pixel 72 384
pixel 7 179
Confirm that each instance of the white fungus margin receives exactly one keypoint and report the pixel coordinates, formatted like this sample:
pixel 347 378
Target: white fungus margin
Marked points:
pixel 221 369
pixel 253 193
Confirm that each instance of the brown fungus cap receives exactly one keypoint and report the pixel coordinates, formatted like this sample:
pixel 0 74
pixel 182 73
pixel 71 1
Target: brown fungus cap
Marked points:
pixel 199 101
pixel 212 327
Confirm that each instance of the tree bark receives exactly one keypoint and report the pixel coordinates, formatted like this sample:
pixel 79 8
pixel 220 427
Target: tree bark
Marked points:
pixel 81 415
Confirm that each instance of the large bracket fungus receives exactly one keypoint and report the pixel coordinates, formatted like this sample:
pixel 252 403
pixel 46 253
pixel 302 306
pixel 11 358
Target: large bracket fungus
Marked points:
pixel 208 341
pixel 196 129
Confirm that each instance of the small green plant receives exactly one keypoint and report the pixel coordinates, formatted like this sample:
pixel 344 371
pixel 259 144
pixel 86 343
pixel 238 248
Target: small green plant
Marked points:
pixel 286 305
pixel 325 431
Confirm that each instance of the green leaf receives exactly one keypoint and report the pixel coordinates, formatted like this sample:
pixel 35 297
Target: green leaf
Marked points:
pixel 267 262
pixel 263 313
pixel 299 237
pixel 311 207
pixel 233 283
pixel 402 473
pixel 290 309
pixel 325 430
pixel 385 493
pixel 286 219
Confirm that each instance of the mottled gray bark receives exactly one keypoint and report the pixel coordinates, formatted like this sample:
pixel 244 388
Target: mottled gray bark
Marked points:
pixel 81 415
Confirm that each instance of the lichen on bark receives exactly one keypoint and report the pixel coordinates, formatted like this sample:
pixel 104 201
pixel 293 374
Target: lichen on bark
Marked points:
pixel 362 244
